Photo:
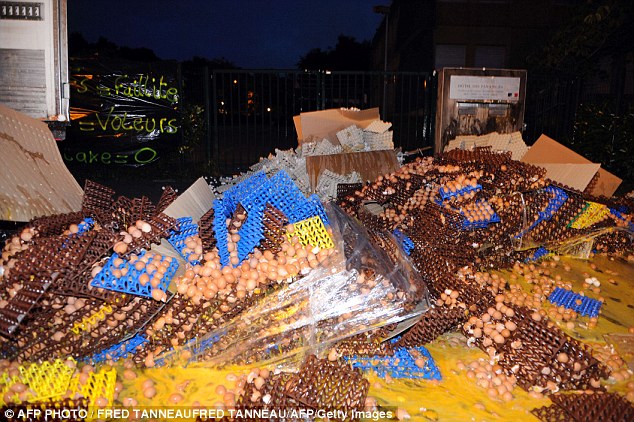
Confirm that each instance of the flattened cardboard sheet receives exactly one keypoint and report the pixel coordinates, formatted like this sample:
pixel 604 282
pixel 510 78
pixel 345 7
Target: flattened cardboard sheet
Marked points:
pixel 547 150
pixel 34 180
pixel 369 164
pixel 578 176
pixel 194 202
pixel 317 125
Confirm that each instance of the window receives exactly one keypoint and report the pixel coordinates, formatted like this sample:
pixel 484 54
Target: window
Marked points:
pixel 449 55
pixel 492 56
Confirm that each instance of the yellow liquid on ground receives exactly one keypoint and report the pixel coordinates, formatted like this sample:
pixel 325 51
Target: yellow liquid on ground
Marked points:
pixel 455 397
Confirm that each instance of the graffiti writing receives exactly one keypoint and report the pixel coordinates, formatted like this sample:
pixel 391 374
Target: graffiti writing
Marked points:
pixel 142 156
pixel 142 86
pixel 118 123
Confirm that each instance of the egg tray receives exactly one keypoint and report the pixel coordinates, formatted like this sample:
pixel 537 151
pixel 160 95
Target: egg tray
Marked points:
pixel 161 227
pixel 435 224
pixel 556 228
pixel 619 215
pixel 541 343
pixel 322 384
pixel 54 224
pixel 51 254
pixel 186 228
pixel 404 241
pixel 311 207
pixel 616 242
pixel 346 189
pixel 46 380
pixel 123 350
pixel 279 191
pixel 592 184
pixel 373 223
pixel 168 196
pixel 251 234
pixel 591 213
pixel 312 231
pixel 129 283
pixel 102 336
pixel 239 192
pixel 586 406
pixel 221 214
pixel 274 221
pixel 402 365
pixel 206 230
pixel 481 156
pixel 46 318
pixel 446 194
pixel 97 201
pixel 537 254
pixel 543 213
pixel 73 405
pixel 211 319
pixel 583 305
pixel 182 309
pixel 127 211
pixel 429 256
pixel 274 390
pixel 433 323
pixel 77 282
pixel 19 306
pixel 369 343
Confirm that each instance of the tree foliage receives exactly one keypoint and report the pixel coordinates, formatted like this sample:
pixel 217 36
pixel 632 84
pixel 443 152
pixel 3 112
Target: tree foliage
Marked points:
pixel 600 27
pixel 79 47
pixel 348 54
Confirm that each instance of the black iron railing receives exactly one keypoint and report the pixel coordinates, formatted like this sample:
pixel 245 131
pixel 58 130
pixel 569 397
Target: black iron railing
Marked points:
pixel 250 112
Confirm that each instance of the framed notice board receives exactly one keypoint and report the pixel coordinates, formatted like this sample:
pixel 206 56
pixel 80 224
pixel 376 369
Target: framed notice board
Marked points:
pixel 477 102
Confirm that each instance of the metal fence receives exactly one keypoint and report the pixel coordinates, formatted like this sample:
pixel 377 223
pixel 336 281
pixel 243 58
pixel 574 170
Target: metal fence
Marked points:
pixel 249 113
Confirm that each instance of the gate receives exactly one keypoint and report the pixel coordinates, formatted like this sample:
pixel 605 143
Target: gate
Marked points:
pixel 251 111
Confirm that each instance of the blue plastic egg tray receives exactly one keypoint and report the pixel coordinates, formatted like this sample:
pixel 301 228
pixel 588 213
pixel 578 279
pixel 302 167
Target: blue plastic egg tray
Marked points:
pixel 236 194
pixel 538 254
pixel 405 368
pixel 280 191
pixel 187 228
pixel 220 230
pixel 445 193
pixel 406 243
pixel 129 283
pixel 558 198
pixel 569 300
pixel 120 350
pixel 310 207
pixel 618 214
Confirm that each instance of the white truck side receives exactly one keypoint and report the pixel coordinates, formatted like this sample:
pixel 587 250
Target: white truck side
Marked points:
pixel 34 60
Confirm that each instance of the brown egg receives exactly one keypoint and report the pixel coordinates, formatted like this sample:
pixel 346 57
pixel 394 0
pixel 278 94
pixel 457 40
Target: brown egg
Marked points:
pixel 120 248
pixel 149 392
pixel 144 279
pixel 175 398
pixel 158 294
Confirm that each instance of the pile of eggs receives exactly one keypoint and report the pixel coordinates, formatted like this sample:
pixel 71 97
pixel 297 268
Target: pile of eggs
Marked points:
pixel 209 278
pixel 134 231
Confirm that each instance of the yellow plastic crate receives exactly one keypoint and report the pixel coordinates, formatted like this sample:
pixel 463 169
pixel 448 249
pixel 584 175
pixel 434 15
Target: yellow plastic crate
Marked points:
pixel 312 232
pixel 592 213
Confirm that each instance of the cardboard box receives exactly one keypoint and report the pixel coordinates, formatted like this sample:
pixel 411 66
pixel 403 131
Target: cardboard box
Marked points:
pixel 324 124
pixel 34 180
pixel 369 164
pixel 546 152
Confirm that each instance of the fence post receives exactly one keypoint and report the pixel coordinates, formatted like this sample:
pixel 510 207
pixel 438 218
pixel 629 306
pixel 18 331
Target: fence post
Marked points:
pixel 321 81
pixel 214 108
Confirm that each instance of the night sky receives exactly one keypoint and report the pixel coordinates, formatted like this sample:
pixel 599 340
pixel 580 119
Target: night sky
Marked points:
pixel 250 33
